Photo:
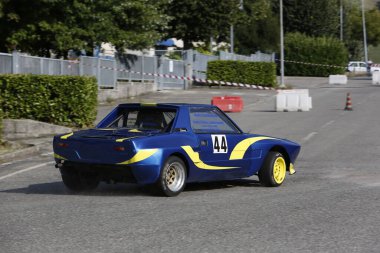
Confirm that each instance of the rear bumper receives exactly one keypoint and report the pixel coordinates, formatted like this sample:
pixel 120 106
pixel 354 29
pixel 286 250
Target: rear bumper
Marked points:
pixel 114 173
pixel 106 172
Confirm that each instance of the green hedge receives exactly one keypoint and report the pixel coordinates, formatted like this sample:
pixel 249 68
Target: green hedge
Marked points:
pixel 320 50
pixel 64 100
pixel 259 73
pixel 1 122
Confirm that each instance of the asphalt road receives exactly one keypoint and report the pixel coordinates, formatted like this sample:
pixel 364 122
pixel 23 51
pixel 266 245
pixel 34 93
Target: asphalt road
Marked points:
pixel 332 203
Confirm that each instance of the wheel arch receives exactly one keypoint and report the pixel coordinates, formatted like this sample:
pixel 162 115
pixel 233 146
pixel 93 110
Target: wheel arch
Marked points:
pixel 183 158
pixel 283 151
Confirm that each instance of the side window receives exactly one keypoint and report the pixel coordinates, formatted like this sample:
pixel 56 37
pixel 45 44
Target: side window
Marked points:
pixel 131 119
pixel 210 120
pixel 363 65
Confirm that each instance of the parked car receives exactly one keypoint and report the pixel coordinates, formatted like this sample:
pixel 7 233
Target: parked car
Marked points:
pixel 167 146
pixel 357 66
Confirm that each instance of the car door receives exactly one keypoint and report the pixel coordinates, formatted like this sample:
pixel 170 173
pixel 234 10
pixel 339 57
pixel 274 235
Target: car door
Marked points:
pixel 217 136
pixel 353 67
pixel 362 67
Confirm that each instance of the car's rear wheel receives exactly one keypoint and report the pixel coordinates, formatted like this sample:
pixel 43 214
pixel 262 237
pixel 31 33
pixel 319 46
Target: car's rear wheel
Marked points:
pixel 172 178
pixel 273 171
pixel 77 181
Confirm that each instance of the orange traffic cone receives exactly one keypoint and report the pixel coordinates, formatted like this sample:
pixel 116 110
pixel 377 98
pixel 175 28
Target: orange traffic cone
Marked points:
pixel 348 103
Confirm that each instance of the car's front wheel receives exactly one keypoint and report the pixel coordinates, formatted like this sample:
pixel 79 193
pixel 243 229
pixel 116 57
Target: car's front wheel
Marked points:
pixel 172 178
pixel 77 181
pixel 273 171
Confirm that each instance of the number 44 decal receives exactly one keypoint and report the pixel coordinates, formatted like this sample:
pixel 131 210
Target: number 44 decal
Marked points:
pixel 219 143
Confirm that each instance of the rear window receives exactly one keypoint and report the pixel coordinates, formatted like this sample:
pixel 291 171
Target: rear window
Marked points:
pixel 144 119
pixel 211 120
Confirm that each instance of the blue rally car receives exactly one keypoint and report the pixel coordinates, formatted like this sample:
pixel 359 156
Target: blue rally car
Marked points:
pixel 167 146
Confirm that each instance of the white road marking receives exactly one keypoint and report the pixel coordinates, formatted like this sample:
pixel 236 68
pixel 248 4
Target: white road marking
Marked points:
pixel 328 123
pixel 25 170
pixel 309 136
pixel 47 154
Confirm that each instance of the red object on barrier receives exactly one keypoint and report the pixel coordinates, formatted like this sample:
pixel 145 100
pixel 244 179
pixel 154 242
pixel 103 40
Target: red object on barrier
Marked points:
pixel 228 103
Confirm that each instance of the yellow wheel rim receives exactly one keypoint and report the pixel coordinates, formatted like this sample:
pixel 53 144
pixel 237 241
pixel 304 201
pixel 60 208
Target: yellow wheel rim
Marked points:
pixel 279 170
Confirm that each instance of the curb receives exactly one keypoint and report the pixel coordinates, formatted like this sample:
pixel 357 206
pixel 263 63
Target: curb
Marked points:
pixel 32 149
pixel 21 152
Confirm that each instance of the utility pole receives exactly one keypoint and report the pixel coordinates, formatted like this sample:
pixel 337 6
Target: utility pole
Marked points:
pixel 364 35
pixel 232 39
pixel 241 7
pixel 341 20
pixel 282 84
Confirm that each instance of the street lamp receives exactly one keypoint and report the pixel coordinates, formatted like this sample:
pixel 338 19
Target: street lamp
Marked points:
pixel 282 84
pixel 341 20
pixel 241 7
pixel 364 35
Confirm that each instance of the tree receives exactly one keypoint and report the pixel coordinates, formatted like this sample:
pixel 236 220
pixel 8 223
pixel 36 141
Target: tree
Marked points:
pixel 353 28
pixel 258 29
pixel 44 26
pixel 313 18
pixel 198 20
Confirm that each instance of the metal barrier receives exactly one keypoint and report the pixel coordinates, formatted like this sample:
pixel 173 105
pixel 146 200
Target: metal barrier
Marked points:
pixel 5 63
pixel 124 67
pixel 171 67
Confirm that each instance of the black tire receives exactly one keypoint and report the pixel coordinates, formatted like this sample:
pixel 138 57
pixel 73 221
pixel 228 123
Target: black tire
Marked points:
pixel 77 181
pixel 172 178
pixel 273 170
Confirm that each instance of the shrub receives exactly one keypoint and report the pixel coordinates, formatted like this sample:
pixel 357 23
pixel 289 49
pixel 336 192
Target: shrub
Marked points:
pixel 65 100
pixel 1 123
pixel 319 50
pixel 258 73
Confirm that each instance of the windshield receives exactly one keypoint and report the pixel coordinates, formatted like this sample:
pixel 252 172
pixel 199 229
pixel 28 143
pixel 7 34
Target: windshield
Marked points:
pixel 144 119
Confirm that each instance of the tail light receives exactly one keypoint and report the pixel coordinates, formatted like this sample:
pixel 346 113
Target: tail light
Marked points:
pixel 119 148
pixel 62 145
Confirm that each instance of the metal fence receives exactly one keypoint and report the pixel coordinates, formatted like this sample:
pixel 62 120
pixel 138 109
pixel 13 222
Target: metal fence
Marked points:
pixel 124 67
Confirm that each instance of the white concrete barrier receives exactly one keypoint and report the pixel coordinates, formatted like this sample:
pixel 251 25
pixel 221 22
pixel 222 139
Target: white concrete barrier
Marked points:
pixel 337 79
pixel 293 100
pixel 376 78
pixel 27 128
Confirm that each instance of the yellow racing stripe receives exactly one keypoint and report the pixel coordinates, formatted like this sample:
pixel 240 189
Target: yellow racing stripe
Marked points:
pixel 64 137
pixel 194 156
pixel 123 139
pixel 240 149
pixel 148 104
pixel 59 157
pixel 141 155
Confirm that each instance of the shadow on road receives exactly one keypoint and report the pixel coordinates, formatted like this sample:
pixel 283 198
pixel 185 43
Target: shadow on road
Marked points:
pixel 57 188
pixel 222 185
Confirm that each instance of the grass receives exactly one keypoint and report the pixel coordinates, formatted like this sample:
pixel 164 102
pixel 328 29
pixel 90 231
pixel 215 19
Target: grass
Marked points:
pixel 374 54
pixel 5 147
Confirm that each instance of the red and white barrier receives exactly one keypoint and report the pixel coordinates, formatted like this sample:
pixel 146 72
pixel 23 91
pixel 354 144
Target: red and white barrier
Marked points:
pixel 228 103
